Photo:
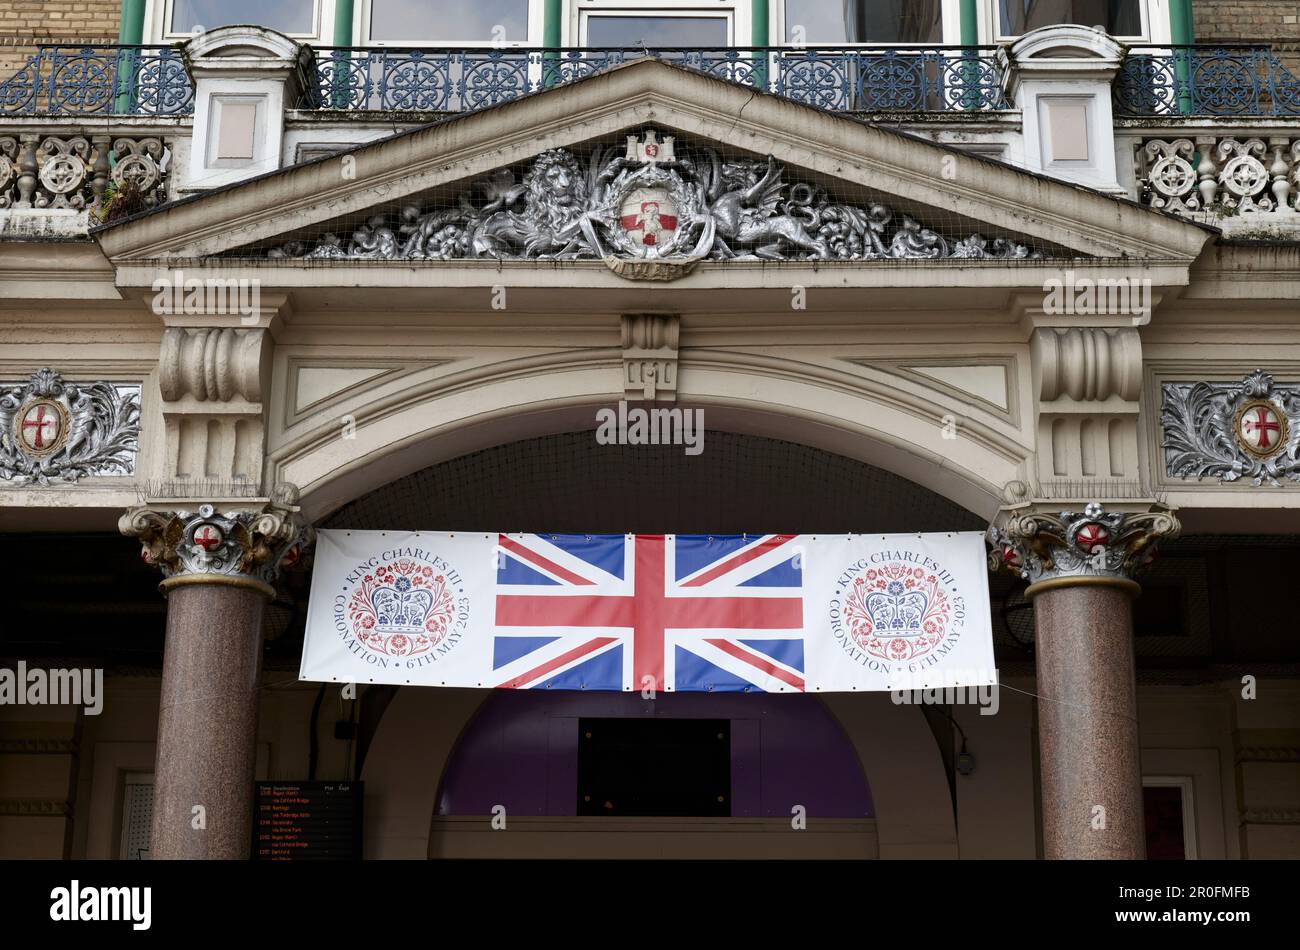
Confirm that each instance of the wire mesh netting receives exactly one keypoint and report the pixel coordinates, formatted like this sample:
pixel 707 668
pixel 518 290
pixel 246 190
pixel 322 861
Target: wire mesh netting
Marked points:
pixel 571 483
pixel 653 194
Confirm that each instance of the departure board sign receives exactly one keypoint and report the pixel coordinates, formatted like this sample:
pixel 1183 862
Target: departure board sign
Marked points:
pixel 307 821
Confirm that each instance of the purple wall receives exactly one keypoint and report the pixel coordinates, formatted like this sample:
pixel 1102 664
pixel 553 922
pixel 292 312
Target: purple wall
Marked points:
pixel 521 751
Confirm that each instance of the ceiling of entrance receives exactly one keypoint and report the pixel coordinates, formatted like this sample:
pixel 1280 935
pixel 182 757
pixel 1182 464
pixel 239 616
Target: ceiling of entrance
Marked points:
pixel 737 484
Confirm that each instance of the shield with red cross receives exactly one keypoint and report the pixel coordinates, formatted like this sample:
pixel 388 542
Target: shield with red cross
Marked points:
pixel 649 217
pixel 1261 429
pixel 1091 536
pixel 41 427
pixel 208 537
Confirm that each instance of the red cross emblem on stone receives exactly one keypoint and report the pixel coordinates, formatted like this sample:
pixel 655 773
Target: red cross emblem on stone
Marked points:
pixel 40 427
pixel 1261 428
pixel 1091 536
pixel 207 537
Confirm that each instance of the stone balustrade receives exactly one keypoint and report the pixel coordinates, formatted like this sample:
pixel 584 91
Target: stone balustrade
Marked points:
pixel 40 170
pixel 1217 177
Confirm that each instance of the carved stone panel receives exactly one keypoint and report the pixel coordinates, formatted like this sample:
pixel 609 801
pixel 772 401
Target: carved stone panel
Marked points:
pixel 56 431
pixel 650 210
pixel 1230 431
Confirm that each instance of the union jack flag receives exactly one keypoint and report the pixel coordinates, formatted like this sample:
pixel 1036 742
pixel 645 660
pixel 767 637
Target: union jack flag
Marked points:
pixel 671 612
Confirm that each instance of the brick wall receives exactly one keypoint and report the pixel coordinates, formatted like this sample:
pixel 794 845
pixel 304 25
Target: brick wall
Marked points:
pixel 24 23
pixel 1275 22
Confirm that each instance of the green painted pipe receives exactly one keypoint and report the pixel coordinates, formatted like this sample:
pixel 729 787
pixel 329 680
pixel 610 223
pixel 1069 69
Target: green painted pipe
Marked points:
pixel 760 18
pixel 130 29
pixel 1182 33
pixel 970 23
pixel 342 22
pixel 130 32
pixel 341 94
pixel 552 29
pixel 970 36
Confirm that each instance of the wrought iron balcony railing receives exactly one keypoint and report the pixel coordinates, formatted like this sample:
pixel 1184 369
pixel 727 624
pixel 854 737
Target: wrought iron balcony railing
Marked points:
pixel 100 80
pixel 1205 80
pixel 1153 81
pixel 923 79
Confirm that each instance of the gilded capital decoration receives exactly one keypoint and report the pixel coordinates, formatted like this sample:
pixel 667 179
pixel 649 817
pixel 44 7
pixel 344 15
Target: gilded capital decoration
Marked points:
pixel 239 548
pixel 1248 429
pixel 1094 546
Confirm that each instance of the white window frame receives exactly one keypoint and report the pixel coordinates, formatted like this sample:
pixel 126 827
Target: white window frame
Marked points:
pixel 1155 23
pixel 123 838
pixel 951 31
pixel 737 13
pixel 158 18
pixel 361 30
pixel 1188 786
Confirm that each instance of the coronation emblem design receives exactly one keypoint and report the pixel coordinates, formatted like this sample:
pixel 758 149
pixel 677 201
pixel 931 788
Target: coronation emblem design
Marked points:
pixel 650 209
pixel 897 611
pixel 406 605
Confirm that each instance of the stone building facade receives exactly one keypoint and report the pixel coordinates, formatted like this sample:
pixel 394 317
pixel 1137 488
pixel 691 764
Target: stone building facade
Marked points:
pixel 1043 285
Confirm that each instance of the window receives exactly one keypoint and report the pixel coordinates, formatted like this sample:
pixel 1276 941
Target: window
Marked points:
pixel 673 32
pixel 1116 17
pixel 137 816
pixel 295 17
pixel 659 24
pixel 863 21
pixel 661 767
pixel 470 21
pixel 1167 811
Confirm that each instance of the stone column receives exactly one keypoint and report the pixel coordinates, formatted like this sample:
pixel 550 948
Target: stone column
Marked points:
pixel 219 571
pixel 1081 568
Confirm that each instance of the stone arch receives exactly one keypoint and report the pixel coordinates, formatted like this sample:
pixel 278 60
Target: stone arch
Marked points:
pixel 864 413
pixel 416 740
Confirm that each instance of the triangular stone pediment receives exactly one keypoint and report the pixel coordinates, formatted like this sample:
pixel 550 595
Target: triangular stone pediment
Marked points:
pixel 651 169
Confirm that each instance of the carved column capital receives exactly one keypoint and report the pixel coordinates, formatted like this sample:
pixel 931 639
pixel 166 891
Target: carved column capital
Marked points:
pixel 1072 548
pixel 244 548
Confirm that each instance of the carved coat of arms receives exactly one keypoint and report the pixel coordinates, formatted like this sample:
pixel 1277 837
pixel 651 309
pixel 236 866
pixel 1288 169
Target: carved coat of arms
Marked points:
pixel 649 210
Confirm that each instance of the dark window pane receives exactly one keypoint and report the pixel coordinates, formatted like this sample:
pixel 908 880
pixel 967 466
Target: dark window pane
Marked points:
pixel 287 16
pixel 468 21
pixel 672 32
pixel 665 767
pixel 1162 807
pixel 1117 17
pixel 863 21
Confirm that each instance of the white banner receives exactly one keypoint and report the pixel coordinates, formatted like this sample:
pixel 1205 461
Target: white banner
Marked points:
pixel 780 613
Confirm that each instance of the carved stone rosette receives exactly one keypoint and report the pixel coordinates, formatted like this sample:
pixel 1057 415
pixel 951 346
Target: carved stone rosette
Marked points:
pixel 1249 429
pixel 239 548
pixel 1093 546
